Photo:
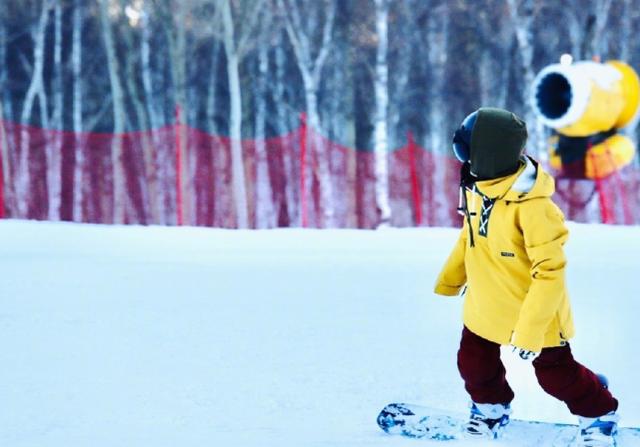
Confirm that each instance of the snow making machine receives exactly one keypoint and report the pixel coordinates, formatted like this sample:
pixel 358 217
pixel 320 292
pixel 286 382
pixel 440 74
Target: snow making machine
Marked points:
pixel 587 103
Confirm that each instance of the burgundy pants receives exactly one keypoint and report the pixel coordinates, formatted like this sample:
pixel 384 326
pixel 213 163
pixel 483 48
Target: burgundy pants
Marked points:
pixel 557 372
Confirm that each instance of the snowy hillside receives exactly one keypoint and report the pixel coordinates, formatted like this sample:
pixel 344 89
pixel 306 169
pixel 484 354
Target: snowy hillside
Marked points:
pixel 130 336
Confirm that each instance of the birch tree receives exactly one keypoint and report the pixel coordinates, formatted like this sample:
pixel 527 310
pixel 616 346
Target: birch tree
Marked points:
pixel 380 132
pixel 303 21
pixel 157 171
pixel 54 147
pixel 235 117
pixel 236 40
pixel 76 68
pixel 173 16
pixel 4 143
pixel 146 179
pixel 113 65
pixel 176 33
pixel 36 88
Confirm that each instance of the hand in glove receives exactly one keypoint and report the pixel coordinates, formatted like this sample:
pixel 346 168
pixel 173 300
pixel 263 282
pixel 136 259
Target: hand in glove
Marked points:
pixel 527 356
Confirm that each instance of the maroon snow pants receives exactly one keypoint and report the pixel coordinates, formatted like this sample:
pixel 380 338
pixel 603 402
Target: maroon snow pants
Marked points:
pixel 558 374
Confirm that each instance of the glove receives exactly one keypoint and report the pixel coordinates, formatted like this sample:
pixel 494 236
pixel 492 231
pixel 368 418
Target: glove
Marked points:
pixel 527 356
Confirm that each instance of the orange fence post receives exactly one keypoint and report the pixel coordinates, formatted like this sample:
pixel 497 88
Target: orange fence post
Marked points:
pixel 178 123
pixel 415 184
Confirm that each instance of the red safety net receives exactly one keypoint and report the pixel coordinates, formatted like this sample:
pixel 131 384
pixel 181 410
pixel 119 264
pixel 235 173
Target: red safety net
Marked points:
pixel 284 181
pixel 612 200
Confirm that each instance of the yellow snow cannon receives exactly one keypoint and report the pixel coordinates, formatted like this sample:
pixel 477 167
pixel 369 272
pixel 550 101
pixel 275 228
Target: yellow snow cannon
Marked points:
pixel 584 98
pixel 586 103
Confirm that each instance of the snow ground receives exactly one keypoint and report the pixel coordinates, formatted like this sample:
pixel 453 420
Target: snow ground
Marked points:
pixel 151 336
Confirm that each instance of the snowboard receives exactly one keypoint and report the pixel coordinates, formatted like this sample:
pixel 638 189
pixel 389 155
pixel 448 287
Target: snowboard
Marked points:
pixel 416 421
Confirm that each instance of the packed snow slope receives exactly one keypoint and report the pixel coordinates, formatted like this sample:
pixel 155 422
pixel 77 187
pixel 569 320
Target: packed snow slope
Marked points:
pixel 151 336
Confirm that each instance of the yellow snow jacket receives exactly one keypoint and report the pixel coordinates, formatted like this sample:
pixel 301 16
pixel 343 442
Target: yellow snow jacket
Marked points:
pixel 515 272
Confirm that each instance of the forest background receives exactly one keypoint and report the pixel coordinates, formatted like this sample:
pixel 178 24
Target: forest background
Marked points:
pixel 160 88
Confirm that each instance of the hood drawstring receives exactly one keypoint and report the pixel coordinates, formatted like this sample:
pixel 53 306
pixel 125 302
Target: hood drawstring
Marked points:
pixel 463 208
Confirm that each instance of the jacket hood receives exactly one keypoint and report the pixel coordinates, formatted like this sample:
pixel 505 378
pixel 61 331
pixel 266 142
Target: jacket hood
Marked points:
pixel 498 138
pixel 529 182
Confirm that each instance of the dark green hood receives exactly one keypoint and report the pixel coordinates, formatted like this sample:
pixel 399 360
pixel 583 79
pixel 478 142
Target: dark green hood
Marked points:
pixel 497 140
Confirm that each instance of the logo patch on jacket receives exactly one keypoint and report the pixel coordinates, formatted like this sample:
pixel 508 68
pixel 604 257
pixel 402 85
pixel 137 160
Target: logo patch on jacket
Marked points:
pixel 507 254
pixel 487 206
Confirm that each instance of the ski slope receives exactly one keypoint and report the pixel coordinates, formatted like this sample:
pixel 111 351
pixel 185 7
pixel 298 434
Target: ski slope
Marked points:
pixel 151 336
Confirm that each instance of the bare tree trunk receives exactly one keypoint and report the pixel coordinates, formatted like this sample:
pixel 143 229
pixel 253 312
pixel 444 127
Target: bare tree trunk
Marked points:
pixel 265 216
pixel 23 177
pixel 43 104
pixel 381 137
pixel 316 144
pixel 145 178
pixel 4 142
pixel 311 70
pixel 178 51
pixel 119 187
pixel 78 127
pixel 156 163
pixel 235 120
pixel 54 147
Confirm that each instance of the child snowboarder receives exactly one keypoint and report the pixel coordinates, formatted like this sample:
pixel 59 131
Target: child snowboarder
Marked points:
pixel 510 256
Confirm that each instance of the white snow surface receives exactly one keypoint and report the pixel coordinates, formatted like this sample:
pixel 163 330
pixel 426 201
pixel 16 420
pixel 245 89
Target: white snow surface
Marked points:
pixel 153 336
